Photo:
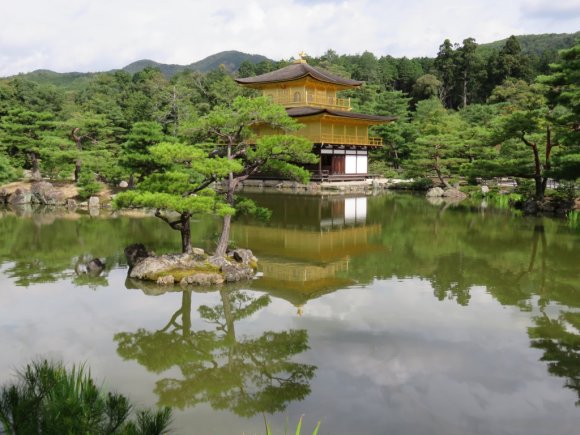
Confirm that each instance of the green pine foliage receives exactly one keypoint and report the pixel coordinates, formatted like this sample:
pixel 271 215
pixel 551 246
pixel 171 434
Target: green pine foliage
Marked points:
pixel 439 149
pixel 88 185
pixel 7 172
pixel 48 398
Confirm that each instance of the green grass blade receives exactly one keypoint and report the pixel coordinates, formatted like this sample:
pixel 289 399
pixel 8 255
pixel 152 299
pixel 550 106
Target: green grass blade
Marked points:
pixel 268 430
pixel 299 427
pixel 316 428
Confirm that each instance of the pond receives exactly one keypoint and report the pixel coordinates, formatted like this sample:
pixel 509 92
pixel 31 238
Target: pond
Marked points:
pixel 374 315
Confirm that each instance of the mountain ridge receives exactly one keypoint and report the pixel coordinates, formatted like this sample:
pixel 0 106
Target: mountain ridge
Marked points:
pixel 533 44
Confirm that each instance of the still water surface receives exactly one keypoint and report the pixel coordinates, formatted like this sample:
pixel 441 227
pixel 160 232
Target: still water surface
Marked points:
pixel 378 315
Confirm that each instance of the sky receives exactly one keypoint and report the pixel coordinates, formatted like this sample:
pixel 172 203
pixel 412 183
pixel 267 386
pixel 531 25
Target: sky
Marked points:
pixel 99 35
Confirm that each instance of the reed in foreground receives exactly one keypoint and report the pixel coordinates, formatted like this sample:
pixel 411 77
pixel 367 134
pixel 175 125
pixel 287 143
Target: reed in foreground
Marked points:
pixel 298 428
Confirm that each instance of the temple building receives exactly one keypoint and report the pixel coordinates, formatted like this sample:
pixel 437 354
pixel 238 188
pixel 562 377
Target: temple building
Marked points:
pixel 310 95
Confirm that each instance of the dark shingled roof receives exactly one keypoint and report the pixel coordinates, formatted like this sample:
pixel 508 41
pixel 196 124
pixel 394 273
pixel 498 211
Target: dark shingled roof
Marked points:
pixel 296 112
pixel 296 71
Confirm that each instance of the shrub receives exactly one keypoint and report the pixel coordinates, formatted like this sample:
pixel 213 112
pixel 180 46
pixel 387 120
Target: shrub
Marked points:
pixel 88 185
pixel 421 184
pixel 383 169
pixel 7 172
pixel 247 207
pixel 49 399
pixel 526 188
pixel 563 196
pixel 574 219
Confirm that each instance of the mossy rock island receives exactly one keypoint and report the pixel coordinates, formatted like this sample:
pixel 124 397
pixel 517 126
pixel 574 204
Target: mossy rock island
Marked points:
pixel 194 268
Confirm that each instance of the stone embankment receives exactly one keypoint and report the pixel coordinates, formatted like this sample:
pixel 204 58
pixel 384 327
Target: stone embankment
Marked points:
pixel 43 193
pixel 196 268
pixel 451 194
pixel 318 188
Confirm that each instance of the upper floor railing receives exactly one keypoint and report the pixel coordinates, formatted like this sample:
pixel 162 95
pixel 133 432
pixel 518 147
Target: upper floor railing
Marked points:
pixel 344 139
pixel 310 98
pixel 337 139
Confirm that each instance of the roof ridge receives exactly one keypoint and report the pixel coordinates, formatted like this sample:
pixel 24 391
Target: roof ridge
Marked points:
pixel 296 71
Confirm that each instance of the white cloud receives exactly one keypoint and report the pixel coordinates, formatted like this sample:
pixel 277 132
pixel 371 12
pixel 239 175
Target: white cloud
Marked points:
pixel 67 35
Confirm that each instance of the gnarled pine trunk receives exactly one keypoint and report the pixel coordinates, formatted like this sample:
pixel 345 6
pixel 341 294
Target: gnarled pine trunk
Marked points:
pixel 185 230
pixel 222 245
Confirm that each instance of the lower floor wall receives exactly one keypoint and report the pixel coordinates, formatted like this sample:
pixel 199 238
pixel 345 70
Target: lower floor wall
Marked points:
pixel 338 160
pixel 336 163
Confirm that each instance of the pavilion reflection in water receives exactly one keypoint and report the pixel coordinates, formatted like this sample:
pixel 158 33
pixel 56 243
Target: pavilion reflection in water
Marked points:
pixel 306 252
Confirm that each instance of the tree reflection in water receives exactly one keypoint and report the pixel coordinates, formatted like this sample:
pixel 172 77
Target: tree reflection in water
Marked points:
pixel 540 284
pixel 243 374
pixel 560 341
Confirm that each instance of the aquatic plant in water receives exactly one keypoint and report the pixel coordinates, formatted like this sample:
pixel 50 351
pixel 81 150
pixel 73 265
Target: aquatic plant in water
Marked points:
pixel 298 427
pixel 574 219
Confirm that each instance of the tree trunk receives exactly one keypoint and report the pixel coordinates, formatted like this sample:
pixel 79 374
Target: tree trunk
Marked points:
pixel 230 326
pixel 78 164
pixel 443 180
pixel 540 182
pixel 465 88
pixel 79 143
pixel 185 230
pixel 539 188
pixel 222 245
pixel 440 174
pixel 186 313
pixel 395 156
pixel 35 167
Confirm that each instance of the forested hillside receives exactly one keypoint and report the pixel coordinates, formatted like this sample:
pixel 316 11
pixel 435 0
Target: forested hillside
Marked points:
pixel 469 112
pixel 230 60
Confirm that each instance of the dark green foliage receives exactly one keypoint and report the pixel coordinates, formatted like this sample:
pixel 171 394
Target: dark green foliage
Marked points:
pixel 88 185
pixel 247 207
pixel 439 148
pixel 397 135
pixel 446 65
pixel 421 184
pixel 7 172
pixel 36 97
pixel 564 195
pixel 564 95
pixel 49 399
pixel 22 133
pixel 135 156
pixel 524 188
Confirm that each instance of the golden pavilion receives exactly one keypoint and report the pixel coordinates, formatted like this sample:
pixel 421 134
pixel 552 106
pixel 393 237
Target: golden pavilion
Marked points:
pixel 310 95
